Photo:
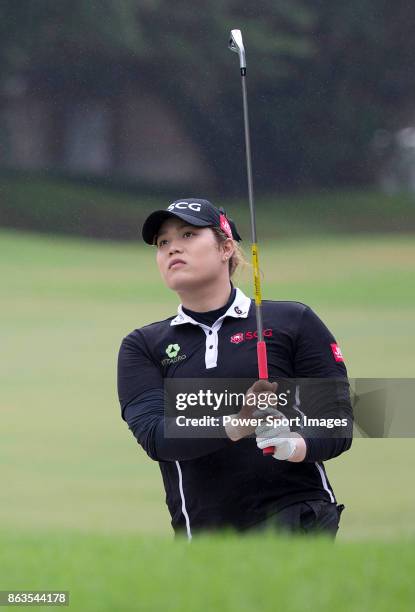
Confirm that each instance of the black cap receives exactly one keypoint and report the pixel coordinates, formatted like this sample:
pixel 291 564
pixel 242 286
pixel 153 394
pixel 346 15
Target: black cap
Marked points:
pixel 194 211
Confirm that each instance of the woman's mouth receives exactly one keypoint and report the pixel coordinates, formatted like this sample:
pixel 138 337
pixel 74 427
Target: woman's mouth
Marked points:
pixel 176 263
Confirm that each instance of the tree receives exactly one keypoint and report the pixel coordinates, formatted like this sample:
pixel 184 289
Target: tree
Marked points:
pixel 323 75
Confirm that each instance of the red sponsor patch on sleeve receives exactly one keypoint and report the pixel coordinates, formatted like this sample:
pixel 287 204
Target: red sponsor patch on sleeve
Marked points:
pixel 337 354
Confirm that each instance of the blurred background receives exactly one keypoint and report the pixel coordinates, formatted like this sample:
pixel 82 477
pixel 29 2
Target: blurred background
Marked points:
pixel 111 108
pixel 143 99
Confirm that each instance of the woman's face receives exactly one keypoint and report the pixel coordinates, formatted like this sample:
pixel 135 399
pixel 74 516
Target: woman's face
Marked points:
pixel 189 256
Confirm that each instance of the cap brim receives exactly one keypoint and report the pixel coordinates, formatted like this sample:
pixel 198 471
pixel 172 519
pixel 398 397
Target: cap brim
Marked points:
pixel 153 222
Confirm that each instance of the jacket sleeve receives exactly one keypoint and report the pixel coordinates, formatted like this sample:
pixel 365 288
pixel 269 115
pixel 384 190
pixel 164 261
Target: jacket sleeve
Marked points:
pixel 324 389
pixel 141 396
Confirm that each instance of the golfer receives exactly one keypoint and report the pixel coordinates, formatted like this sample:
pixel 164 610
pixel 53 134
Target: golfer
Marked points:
pixel 225 481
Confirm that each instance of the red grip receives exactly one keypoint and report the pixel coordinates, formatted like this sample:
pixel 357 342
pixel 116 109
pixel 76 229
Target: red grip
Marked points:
pixel 263 374
pixel 261 350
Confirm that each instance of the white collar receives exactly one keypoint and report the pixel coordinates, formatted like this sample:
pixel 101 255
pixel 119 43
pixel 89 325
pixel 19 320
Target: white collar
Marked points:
pixel 239 309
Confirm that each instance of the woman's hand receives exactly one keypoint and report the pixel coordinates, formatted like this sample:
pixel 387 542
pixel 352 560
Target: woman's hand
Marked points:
pixel 276 433
pixel 258 393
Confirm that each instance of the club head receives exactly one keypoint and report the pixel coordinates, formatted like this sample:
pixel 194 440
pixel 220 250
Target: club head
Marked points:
pixel 236 44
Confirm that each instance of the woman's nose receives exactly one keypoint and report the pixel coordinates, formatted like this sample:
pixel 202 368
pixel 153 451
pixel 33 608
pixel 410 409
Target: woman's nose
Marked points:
pixel 175 247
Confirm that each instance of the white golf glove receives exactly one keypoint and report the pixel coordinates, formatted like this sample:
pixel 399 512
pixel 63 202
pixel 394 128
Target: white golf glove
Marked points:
pixel 276 435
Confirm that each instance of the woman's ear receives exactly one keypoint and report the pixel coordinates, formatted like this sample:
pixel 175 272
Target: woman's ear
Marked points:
pixel 228 249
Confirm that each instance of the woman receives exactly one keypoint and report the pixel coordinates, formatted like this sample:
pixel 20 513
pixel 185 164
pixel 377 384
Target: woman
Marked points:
pixel 225 481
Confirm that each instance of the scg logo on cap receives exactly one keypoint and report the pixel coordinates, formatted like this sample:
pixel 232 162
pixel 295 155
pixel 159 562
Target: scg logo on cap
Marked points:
pixel 183 205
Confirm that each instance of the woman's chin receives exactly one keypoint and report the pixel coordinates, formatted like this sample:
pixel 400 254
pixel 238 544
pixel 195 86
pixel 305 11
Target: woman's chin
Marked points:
pixel 184 282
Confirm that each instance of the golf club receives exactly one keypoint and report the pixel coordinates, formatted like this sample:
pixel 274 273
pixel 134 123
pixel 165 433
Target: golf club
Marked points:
pixel 236 44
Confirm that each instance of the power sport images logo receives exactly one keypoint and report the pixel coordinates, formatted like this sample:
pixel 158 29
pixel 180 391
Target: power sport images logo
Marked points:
pixel 172 351
pixel 249 335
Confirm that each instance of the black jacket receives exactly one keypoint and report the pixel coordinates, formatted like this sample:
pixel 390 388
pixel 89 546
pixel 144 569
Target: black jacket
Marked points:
pixel 213 482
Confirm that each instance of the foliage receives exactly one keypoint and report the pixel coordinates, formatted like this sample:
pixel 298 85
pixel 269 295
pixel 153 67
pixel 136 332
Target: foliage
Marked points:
pixel 322 75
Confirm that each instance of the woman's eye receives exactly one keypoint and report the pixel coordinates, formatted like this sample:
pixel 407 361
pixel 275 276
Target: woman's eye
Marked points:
pixel 161 243
pixel 188 234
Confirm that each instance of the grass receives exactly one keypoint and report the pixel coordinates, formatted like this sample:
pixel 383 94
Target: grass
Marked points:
pixel 81 505
pixel 72 207
pixel 107 573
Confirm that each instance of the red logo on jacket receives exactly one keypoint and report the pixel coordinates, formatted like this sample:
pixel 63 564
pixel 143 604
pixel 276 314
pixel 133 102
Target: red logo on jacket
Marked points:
pixel 337 354
pixel 249 335
pixel 237 338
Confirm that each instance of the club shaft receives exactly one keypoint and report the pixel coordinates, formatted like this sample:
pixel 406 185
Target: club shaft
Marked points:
pixel 248 157
pixel 258 308
pixel 236 44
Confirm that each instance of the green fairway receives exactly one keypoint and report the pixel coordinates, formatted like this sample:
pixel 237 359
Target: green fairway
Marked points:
pixel 229 574
pixel 73 474
pixel 69 460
